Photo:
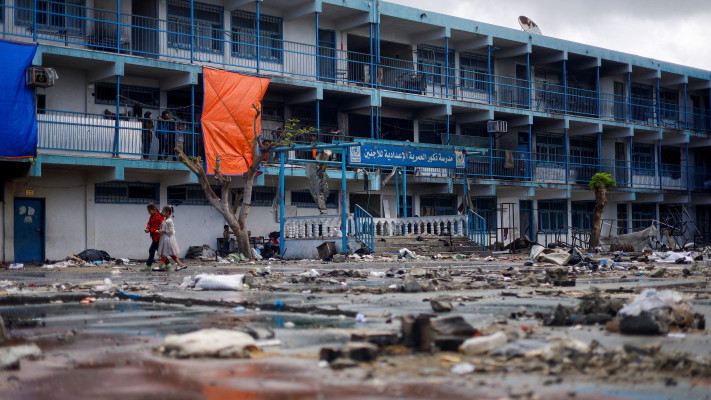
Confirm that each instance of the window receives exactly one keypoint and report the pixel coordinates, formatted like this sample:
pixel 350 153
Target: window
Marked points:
pixel 669 104
pixel 302 198
pixel 208 26
pixel 642 102
pixel 272 111
pixel 474 72
pixel 643 215
pixel 581 213
pixel 433 62
pixel 550 149
pixel 438 204
pixel 643 158
pixel 2 10
pixel 622 219
pixel 263 195
pixel 583 158
pixel 434 131
pixel 57 15
pixel 244 36
pixel 552 215
pixel 127 192
pixel 190 194
pixel 105 93
pixel 486 208
pixel 671 162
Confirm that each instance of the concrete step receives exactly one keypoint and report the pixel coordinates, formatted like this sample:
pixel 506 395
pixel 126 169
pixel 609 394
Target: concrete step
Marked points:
pixel 426 244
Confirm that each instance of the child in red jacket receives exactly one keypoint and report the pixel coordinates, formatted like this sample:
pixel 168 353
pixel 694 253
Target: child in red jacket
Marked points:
pixel 153 228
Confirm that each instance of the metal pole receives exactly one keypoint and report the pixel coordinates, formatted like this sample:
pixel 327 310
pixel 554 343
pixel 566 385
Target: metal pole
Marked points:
pixel 491 155
pixel 281 203
pixel 192 119
pixel 259 36
pixel 565 87
pixel 688 172
pixel 659 103
pixel 630 163
pixel 372 67
pixel 118 110
pixel 686 114
pixel 318 49
pixel 192 31
pixel 598 89
pixel 567 157
pixel 118 26
pixel 344 214
pixel 34 21
pixel 372 124
pixel 599 151
pixel 659 162
pixel 629 101
pixel 447 129
pixel 404 192
pixel 528 78
pixel 318 119
pixel 446 68
pixel 397 195
pixel 529 162
pixel 488 70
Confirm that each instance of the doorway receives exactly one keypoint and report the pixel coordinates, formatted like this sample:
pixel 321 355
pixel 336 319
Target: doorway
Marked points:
pixel 525 208
pixel 368 202
pixel 144 35
pixel 326 55
pixel 29 230
pixel 620 164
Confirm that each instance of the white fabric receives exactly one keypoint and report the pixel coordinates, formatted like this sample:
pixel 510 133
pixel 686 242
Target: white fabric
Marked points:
pixel 168 245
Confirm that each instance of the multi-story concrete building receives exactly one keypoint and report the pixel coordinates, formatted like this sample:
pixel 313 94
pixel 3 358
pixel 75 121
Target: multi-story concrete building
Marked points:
pixel 376 71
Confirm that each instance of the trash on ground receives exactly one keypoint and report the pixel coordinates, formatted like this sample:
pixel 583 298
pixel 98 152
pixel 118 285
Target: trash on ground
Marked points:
pixel 219 282
pixel 657 312
pixel 10 356
pixel 483 344
pixel 209 343
pixel 92 255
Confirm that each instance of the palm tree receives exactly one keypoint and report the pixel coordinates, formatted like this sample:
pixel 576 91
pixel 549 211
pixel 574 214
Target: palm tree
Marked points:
pixel 599 183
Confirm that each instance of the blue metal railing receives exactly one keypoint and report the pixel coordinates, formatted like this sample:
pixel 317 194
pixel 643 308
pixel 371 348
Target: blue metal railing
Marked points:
pixel 476 228
pixel 364 227
pixel 559 168
pixel 106 30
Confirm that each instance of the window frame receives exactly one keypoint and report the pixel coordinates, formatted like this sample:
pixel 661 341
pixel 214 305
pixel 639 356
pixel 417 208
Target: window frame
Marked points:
pixel 243 41
pixel 263 196
pixel 47 19
pixel 550 211
pixel 127 198
pixel 190 201
pixel 642 160
pixel 581 213
pixel 474 72
pixel 549 153
pixel 438 205
pixel 180 35
pixel 126 97
pixel 434 67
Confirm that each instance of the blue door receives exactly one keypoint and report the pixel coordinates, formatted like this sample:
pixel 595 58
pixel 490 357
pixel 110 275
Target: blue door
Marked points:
pixel 29 230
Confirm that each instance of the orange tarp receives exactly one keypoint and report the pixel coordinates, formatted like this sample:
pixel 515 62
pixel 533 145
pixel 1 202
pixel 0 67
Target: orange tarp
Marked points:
pixel 228 118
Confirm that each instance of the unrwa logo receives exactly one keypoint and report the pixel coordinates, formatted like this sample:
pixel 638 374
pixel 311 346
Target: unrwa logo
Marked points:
pixel 355 154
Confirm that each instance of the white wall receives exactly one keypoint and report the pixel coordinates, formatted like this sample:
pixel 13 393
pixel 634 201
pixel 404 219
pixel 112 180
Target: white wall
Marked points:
pixel 68 94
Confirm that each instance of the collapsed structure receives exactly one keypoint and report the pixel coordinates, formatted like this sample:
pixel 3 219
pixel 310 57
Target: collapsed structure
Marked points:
pixel 464 128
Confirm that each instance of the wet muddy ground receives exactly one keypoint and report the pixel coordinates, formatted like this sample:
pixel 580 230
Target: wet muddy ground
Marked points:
pixel 111 348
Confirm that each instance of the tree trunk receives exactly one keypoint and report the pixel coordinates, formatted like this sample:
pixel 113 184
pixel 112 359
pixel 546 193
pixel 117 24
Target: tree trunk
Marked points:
pixel 600 201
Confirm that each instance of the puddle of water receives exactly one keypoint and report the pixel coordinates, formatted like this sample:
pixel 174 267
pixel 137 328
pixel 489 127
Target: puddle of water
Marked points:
pixel 147 319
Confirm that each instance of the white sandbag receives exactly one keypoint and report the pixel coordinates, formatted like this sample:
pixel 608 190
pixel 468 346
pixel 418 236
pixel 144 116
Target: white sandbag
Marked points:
pixel 210 343
pixel 219 282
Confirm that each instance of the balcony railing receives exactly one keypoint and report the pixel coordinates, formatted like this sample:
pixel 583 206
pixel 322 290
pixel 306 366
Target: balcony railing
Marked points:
pixel 558 168
pixel 103 30
pixel 101 135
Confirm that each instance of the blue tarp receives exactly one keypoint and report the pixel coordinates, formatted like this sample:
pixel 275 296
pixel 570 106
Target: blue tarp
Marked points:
pixel 18 120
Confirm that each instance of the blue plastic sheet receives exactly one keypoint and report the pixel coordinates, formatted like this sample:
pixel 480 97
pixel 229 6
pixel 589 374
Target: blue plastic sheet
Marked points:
pixel 18 130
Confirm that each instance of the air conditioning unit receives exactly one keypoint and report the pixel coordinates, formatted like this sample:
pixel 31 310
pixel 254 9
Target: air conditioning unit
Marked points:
pixel 40 76
pixel 496 126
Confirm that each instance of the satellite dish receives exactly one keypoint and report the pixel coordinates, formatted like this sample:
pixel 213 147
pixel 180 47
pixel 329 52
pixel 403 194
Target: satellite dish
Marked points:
pixel 528 25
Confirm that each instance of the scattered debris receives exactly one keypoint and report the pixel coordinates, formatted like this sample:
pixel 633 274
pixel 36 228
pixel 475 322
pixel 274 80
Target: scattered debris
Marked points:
pixel 656 313
pixel 219 282
pixel 209 343
pixel 10 356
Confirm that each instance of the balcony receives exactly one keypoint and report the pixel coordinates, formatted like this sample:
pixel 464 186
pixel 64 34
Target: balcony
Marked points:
pixel 173 40
pixel 515 166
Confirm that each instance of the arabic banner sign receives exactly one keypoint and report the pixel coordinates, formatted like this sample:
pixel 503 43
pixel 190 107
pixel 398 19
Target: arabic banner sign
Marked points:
pixel 379 154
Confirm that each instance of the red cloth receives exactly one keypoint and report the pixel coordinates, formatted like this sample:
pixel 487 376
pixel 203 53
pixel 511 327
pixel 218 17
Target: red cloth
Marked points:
pixel 153 226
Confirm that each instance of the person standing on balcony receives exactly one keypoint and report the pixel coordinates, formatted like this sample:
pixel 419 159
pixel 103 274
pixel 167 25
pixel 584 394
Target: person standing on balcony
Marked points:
pixel 148 128
pixel 168 245
pixel 166 135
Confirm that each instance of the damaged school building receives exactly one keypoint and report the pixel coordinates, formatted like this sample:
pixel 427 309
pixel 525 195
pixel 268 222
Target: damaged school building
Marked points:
pixel 436 109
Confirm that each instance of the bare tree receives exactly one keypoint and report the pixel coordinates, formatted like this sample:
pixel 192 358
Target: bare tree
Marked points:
pixel 599 183
pixel 236 219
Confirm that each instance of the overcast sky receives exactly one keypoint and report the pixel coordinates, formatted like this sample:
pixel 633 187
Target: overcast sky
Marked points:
pixel 677 31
